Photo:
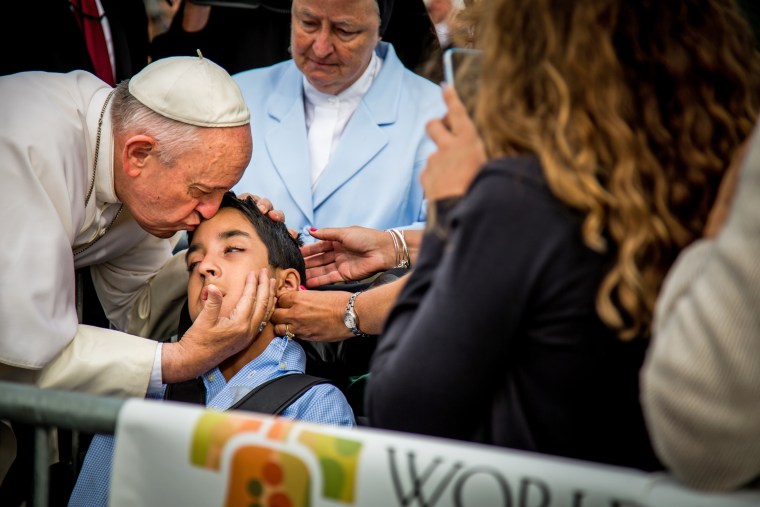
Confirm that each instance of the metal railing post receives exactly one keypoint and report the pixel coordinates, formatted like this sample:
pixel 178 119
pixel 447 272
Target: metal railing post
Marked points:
pixel 41 465
pixel 63 409
pixel 46 409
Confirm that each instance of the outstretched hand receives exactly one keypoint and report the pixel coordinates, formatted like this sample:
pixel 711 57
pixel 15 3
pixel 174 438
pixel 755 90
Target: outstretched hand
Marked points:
pixel 460 155
pixel 213 338
pixel 347 254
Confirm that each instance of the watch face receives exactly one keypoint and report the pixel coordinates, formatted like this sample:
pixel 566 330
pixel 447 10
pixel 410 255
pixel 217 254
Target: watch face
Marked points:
pixel 349 320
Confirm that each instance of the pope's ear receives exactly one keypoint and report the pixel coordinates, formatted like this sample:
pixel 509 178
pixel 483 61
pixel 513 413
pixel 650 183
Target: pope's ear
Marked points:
pixel 288 280
pixel 137 149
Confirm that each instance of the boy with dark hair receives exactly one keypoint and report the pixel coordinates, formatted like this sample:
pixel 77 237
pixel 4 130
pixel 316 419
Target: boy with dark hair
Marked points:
pixel 222 250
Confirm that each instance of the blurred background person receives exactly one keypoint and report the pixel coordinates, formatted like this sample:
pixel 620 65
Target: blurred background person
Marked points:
pixel 249 34
pixel 106 37
pixel 238 35
pixel 701 377
pixel 441 12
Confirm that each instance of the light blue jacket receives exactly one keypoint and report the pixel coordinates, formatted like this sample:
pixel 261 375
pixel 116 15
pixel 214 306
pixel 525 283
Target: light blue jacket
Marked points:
pixel 372 178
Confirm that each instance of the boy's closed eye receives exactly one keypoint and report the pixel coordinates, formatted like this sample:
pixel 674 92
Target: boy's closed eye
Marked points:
pixel 193 263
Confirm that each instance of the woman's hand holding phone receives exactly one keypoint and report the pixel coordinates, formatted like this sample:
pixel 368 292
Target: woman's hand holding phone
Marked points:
pixel 460 155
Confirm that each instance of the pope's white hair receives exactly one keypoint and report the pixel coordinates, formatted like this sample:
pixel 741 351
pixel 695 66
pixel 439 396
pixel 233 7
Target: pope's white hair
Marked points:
pixel 173 138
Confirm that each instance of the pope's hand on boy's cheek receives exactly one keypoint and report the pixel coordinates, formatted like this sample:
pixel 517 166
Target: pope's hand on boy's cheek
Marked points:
pixel 213 338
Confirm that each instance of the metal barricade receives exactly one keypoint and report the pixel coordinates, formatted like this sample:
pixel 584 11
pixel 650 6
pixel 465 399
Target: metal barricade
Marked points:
pixel 47 409
pixel 385 467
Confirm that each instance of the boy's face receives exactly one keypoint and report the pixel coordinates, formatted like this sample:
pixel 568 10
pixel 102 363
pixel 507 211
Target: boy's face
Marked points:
pixel 224 250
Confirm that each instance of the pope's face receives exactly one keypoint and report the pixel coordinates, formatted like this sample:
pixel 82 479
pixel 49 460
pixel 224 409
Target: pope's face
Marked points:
pixel 164 200
pixel 223 251
pixel 333 40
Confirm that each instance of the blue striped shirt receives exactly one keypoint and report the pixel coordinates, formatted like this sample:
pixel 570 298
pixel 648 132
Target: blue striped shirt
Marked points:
pixel 323 403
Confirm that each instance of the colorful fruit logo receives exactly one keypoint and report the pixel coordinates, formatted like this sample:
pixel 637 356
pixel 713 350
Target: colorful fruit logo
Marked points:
pixel 264 476
pixel 212 432
pixel 338 459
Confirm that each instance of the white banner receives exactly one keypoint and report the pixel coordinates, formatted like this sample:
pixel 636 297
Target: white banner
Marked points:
pixel 175 454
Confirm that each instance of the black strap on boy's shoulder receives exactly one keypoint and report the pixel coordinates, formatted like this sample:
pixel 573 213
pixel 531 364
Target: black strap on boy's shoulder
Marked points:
pixel 271 397
pixel 190 391
pixel 274 396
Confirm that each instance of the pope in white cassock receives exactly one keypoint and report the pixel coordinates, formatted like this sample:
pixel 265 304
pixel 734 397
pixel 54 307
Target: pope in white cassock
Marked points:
pixel 103 177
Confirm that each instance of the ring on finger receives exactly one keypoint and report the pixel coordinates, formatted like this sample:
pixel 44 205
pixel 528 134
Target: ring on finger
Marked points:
pixel 288 334
pixel 262 325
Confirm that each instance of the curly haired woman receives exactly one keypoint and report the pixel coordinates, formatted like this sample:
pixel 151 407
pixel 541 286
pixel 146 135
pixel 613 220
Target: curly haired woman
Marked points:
pixel 608 125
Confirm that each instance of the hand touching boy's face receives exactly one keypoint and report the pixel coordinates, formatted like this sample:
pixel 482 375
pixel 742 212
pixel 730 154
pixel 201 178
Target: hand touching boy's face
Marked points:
pixel 224 249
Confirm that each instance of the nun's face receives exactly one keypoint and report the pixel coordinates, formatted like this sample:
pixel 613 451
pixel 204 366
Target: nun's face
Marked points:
pixel 333 40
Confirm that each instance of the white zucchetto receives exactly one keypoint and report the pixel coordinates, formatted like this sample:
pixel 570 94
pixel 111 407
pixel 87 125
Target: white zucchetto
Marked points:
pixel 192 90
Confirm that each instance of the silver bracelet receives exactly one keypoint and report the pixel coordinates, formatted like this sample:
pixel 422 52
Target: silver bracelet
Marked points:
pixel 395 246
pixel 408 260
pixel 402 261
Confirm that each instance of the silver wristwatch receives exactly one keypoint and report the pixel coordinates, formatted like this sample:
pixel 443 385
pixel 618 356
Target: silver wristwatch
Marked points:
pixel 350 318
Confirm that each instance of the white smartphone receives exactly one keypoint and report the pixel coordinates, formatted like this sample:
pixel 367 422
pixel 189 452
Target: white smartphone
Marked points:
pixel 461 69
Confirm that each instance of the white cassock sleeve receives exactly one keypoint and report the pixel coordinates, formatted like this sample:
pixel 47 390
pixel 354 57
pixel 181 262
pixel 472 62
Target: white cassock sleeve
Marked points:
pixel 102 361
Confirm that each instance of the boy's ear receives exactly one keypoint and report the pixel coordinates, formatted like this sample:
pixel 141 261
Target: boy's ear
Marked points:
pixel 288 280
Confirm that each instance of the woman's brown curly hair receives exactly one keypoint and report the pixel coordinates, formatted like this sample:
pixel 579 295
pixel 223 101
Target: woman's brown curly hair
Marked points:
pixel 635 109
